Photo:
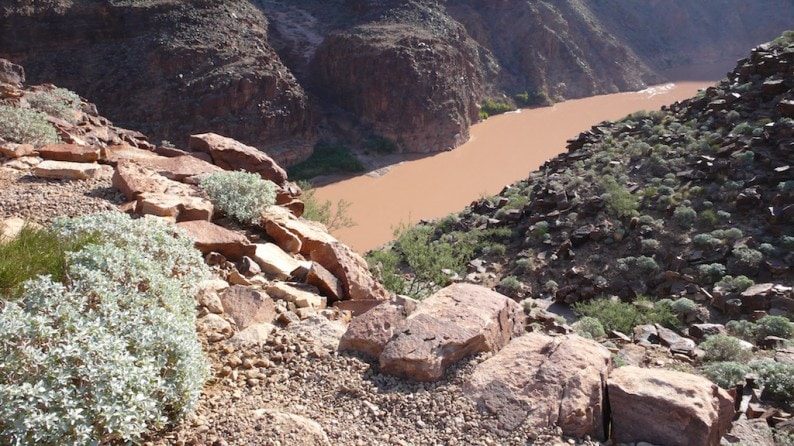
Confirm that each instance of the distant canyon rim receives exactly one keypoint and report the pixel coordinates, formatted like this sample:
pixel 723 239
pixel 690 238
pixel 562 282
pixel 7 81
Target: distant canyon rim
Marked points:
pixel 502 149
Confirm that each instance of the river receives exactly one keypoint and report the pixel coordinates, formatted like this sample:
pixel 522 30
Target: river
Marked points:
pixel 502 149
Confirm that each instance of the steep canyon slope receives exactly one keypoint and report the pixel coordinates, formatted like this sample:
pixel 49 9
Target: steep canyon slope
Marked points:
pixel 279 74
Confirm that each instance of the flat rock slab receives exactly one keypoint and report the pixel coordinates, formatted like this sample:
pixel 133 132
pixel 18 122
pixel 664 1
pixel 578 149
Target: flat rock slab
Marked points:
pixel 545 381
pixel 457 321
pixel 180 207
pixel 302 295
pixel 369 333
pixel 248 306
pixel 70 152
pixel 210 237
pixel 667 407
pixel 179 168
pixel 132 180
pixel 14 150
pixel 66 170
pixel 291 429
pixel 275 262
pixel 230 154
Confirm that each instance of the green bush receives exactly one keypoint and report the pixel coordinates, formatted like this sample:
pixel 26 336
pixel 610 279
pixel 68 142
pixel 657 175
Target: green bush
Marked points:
pixel 624 316
pixel 241 195
pixel 725 348
pixel 333 217
pixel 589 327
pixel 642 266
pixel 774 326
pixel 735 284
pixel 620 202
pixel 34 252
pixel 712 272
pixel 726 374
pixel 491 108
pixel 683 305
pixel 511 284
pixel 777 379
pixel 742 329
pixel 59 102
pixel 26 126
pixel 112 352
pixel 685 216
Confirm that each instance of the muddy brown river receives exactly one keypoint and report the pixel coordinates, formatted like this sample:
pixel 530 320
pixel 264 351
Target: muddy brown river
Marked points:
pixel 503 149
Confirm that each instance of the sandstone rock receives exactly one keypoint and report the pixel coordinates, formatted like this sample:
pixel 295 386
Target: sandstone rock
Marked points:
pixel 69 152
pixel 66 170
pixel 133 180
pixel 274 261
pixel 667 407
pixel 676 343
pixel 210 237
pixel 209 299
pixel 214 327
pixel 180 207
pixel 14 150
pixel 459 320
pixel 699 331
pixel 248 306
pixel 356 307
pixel 292 234
pixel 303 296
pixel 325 281
pixel 369 333
pixel 351 269
pixel 754 432
pixel 11 73
pixel 289 429
pixel 545 381
pixel 234 155
pixel 324 332
pixel 178 168
pixel 11 227
pixel 255 334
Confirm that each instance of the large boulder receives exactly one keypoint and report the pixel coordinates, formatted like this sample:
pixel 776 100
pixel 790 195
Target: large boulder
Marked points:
pixel 11 73
pixel 66 170
pixel 291 233
pixel 210 237
pixel 178 207
pixel 234 155
pixel 275 262
pixel 370 332
pixel 248 306
pixel 546 381
pixel 351 270
pixel 457 321
pixel 133 179
pixel 70 152
pixel 667 407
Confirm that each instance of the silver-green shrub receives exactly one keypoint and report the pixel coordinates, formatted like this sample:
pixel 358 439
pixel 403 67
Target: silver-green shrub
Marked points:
pixel 113 352
pixel 726 374
pixel 26 126
pixel 58 102
pixel 241 195
pixel 589 327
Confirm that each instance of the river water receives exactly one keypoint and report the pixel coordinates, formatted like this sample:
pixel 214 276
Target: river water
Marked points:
pixel 502 150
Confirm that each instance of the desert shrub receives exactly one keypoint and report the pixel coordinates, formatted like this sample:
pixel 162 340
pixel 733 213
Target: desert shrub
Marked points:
pixel 491 108
pixel 618 200
pixel 525 264
pixel 624 316
pixel 726 374
pixel 706 241
pixel 589 327
pixel 642 266
pixel 241 195
pixel 712 272
pixel 511 284
pixel 496 249
pixel 683 305
pixel 725 348
pixel 744 258
pixel 709 217
pixel 685 216
pixel 742 329
pixel 333 217
pixel 733 116
pixel 58 102
pixel 112 352
pixel 777 326
pixel 745 128
pixel 777 379
pixel 735 284
pixel 34 252
pixel 649 246
pixel 26 126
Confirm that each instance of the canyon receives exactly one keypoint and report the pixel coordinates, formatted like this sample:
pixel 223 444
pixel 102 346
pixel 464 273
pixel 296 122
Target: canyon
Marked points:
pixel 281 75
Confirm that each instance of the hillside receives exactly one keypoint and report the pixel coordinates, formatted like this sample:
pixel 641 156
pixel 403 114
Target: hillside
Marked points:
pixel 279 75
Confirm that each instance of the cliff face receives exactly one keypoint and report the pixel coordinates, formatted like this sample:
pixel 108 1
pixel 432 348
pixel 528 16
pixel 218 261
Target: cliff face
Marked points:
pixel 169 68
pixel 271 72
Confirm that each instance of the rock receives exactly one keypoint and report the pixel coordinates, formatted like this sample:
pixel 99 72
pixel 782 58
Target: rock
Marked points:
pixel 667 407
pixel 274 261
pixel 646 335
pixel 327 283
pixel 357 307
pixel 369 333
pixel 545 381
pixel 351 270
pixel 303 296
pixel 69 152
pixel 754 432
pixel 214 327
pixel 324 332
pixel 255 334
pixel 66 170
pixel 209 299
pixel 457 321
pixel 179 168
pixel 133 180
pixel 180 207
pixel 699 331
pixel 14 150
pixel 210 237
pixel 248 306
pixel 11 73
pixel 293 234
pixel 11 227
pixel 290 429
pixel 234 155
pixel 676 343
pixel 757 297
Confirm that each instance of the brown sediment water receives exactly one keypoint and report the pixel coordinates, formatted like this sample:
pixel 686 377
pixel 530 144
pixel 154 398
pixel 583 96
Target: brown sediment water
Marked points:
pixel 502 150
